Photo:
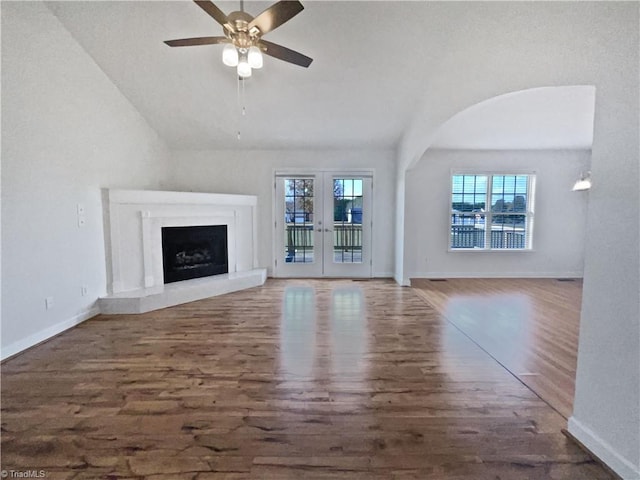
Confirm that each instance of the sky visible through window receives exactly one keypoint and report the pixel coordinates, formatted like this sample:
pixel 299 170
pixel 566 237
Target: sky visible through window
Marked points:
pixel 471 190
pixel 348 187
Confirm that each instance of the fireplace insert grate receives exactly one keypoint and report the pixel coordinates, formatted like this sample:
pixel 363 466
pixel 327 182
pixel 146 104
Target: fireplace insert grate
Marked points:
pixel 194 252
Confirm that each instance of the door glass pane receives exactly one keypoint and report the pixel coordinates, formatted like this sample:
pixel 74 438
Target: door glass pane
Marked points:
pixel 347 220
pixel 298 221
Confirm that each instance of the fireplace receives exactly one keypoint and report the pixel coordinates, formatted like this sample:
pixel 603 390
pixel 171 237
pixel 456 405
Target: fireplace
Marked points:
pixel 194 252
pixel 137 266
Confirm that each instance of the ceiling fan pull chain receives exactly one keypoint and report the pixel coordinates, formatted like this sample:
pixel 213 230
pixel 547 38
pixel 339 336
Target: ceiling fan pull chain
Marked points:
pixel 244 112
pixel 238 104
pixel 241 102
pixel 240 96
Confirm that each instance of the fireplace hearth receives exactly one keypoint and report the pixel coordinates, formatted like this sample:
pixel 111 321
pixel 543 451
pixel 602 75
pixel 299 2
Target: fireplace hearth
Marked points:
pixel 194 252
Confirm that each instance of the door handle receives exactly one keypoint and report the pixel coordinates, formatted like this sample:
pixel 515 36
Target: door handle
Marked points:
pixel 318 229
pixel 328 230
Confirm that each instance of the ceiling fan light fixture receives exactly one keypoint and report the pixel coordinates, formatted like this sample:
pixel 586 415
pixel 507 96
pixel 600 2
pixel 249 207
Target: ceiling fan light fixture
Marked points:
pixel 230 55
pixel 244 69
pixel 255 57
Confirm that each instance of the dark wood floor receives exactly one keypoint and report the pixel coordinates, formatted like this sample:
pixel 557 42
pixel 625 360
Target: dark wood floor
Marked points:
pixel 529 325
pixel 294 380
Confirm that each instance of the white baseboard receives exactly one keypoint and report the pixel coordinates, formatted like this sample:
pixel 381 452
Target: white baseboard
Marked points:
pixel 382 275
pixel 41 336
pixel 603 450
pixel 496 275
pixel 373 275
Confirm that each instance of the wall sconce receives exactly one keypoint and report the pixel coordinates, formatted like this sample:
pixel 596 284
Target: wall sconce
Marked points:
pixel 583 183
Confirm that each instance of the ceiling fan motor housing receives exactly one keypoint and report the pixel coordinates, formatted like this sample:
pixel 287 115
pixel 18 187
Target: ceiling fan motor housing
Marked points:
pixel 241 36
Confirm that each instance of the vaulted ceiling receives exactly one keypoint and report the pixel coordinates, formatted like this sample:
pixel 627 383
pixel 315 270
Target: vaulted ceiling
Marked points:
pixel 374 64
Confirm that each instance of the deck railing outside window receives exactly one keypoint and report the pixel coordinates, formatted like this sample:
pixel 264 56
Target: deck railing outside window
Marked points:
pixel 300 237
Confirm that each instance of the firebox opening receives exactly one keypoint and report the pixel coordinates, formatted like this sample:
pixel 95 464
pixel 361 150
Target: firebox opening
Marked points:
pixel 194 252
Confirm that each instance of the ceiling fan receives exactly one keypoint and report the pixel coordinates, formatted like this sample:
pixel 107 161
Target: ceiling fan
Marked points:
pixel 243 36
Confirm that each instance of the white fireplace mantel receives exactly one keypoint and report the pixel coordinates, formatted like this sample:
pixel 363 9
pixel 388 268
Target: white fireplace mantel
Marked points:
pixel 134 220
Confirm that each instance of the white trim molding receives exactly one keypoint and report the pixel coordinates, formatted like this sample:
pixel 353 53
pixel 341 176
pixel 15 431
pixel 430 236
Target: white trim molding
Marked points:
pixel 494 275
pixel 47 333
pixel 601 449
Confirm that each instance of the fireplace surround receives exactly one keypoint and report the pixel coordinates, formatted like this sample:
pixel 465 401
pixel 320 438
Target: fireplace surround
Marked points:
pixel 134 222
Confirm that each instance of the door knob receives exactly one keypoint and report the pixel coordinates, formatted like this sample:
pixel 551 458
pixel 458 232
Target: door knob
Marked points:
pixel 327 230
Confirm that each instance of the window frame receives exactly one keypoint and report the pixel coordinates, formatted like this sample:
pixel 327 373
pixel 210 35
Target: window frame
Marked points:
pixel 489 214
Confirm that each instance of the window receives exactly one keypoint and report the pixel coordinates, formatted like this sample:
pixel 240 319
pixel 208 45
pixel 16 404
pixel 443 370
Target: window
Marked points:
pixel 491 212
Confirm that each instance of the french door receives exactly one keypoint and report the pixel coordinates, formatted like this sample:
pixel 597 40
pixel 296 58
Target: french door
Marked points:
pixel 323 225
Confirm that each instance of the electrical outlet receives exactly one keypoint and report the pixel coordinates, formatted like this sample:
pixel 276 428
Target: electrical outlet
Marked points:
pixel 48 303
pixel 83 290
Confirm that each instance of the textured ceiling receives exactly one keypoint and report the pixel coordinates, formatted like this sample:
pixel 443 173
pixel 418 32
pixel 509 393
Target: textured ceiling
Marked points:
pixel 371 59
pixel 375 64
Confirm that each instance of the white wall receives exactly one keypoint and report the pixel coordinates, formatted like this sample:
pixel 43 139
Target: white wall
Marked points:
pixel 606 416
pixel 560 215
pixel 512 46
pixel 537 44
pixel 251 172
pixel 66 132
pixel 544 118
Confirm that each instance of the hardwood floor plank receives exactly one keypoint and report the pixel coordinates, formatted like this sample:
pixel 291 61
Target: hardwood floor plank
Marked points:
pixel 528 325
pixel 300 379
